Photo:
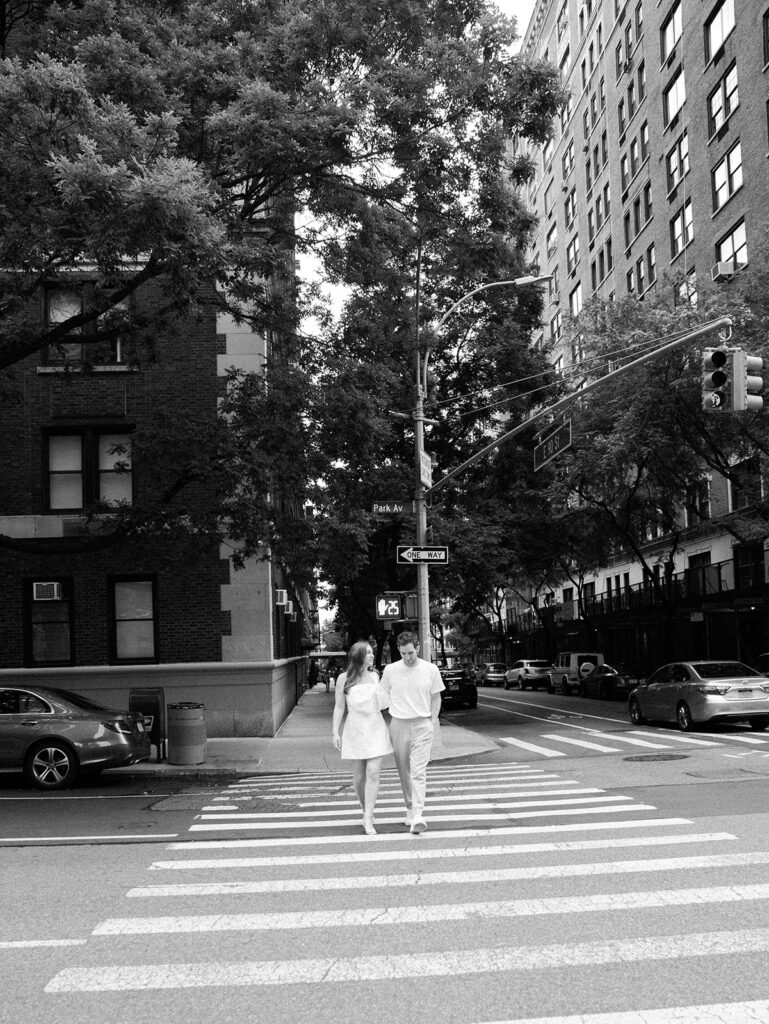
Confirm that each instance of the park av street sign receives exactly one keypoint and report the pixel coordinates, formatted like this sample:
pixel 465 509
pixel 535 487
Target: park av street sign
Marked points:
pixel 415 554
pixel 392 508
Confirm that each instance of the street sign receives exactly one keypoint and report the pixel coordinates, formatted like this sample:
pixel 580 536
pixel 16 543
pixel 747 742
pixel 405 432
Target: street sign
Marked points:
pixel 413 554
pixel 553 445
pixel 392 508
pixel 426 469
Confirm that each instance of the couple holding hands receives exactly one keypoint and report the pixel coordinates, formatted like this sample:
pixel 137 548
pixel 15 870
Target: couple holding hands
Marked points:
pixel 411 689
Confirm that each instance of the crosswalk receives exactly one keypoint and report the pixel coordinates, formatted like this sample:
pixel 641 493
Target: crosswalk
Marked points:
pixel 588 741
pixel 530 900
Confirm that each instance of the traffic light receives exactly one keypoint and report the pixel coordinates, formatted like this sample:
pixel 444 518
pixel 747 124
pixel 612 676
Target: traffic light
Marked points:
pixel 389 606
pixel 717 379
pixel 745 385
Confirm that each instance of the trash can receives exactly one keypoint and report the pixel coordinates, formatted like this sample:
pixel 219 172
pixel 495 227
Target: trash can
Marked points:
pixel 186 725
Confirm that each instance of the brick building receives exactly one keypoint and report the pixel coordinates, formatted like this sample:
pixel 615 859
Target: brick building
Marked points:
pixel 107 618
pixel 656 177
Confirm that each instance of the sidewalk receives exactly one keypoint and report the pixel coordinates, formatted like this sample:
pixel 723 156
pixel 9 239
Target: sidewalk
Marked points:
pixel 302 744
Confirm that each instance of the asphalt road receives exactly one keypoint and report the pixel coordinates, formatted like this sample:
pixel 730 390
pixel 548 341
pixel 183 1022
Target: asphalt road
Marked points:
pixel 557 883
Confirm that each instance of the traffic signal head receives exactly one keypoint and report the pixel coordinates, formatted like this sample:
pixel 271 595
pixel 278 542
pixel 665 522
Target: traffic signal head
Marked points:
pixel 717 379
pixel 745 383
pixel 389 606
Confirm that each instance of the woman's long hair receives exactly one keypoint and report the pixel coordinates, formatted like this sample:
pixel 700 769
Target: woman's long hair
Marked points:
pixel 356 664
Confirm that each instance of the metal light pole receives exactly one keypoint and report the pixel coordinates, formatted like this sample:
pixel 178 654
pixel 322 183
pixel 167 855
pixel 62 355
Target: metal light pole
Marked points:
pixel 423 477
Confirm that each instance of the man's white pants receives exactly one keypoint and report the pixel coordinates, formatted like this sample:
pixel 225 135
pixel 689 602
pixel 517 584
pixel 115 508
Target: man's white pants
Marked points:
pixel 412 739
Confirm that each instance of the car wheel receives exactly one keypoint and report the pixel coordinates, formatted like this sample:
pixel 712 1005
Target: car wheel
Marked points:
pixel 550 688
pixel 684 717
pixel 521 683
pixel 565 688
pixel 51 765
pixel 757 724
pixel 636 715
pixel 472 703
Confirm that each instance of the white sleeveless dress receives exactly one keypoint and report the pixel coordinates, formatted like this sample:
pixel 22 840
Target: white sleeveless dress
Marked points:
pixel 365 733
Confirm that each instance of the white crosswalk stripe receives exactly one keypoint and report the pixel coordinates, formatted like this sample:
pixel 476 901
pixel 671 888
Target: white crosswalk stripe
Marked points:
pixel 491 893
pixel 561 744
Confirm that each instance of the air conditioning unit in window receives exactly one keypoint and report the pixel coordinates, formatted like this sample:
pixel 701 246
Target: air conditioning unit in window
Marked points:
pixel 46 591
pixel 281 596
pixel 289 609
pixel 722 272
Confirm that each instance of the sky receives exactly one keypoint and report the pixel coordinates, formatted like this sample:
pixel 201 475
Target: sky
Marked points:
pixel 520 9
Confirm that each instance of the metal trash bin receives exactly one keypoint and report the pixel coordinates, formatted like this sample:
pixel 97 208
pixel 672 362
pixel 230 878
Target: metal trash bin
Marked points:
pixel 186 724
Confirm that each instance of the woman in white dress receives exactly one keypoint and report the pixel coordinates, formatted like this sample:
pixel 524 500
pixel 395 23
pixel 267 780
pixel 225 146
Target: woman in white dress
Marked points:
pixel 365 739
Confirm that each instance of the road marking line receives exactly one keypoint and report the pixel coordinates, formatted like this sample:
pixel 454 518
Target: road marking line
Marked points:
pixel 62 839
pixel 34 943
pixel 360 917
pixel 492 803
pixel 484 794
pixel 444 853
pixel 714 1013
pixel 389 837
pixel 620 737
pixel 677 738
pixel 444 963
pixel 750 739
pixel 445 804
pixel 579 743
pixel 433 770
pixel 266 825
pixel 544 751
pixel 593 870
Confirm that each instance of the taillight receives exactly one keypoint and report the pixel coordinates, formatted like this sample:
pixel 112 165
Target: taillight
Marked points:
pixel 119 726
pixel 719 690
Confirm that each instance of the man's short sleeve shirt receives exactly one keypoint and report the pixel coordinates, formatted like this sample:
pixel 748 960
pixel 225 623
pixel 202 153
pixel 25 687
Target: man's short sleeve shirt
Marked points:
pixel 410 689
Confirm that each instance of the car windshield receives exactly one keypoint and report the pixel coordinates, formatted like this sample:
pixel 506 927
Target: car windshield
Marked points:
pixel 722 669
pixel 496 667
pixel 78 700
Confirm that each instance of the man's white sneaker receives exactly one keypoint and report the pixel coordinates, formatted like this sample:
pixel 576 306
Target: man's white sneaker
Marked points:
pixel 418 826
pixel 408 820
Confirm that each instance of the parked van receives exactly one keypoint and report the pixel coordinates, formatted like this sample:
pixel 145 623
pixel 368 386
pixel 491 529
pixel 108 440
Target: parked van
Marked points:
pixel 571 667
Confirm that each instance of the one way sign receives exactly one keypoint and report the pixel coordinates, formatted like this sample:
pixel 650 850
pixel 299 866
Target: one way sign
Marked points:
pixel 411 554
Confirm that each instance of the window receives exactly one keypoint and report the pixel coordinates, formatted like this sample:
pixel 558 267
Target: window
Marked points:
pixel 133 620
pixel 635 160
pixel 64 303
pixel 671 31
pixel 570 207
pixel 723 101
pixel 621 116
pixel 585 123
pixel 88 468
pixel 552 240
pixel 727 177
pixel 639 19
pixel 698 502
pixel 687 290
pixel 549 198
pixel 619 57
pixel 648 207
pixel 681 229
pixel 673 97
pixel 554 285
pixel 604 148
pixel 556 326
pixel 624 168
pixel 746 484
pixel 644 136
pixel 641 76
pixel 766 38
pixel 599 215
pixel 575 301
pixel 547 153
pixel 718 26
pixel 631 101
pixel 567 160
pixel 566 112
pixel 733 248
pixel 628 230
pixel 578 348
pixel 593 109
pixel 565 61
pixel 572 253
pixel 563 18
pixel 591 224
pixel 602 93
pixel 651 264
pixel 588 174
pixel 48 622
pixel 583 71
pixel 640 270
pixel 678 162
pixel 630 281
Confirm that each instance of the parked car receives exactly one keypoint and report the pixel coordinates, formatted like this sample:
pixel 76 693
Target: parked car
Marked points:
pixel 607 683
pixel 695 692
pixel 491 673
pixel 460 689
pixel 529 672
pixel 571 667
pixel 761 664
pixel 52 735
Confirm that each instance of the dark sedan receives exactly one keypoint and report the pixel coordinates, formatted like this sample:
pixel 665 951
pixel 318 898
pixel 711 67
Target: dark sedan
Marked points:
pixel 52 735
pixel 460 689
pixel 607 683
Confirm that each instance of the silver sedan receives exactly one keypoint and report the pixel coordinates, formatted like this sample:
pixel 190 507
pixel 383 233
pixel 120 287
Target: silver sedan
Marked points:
pixel 52 735
pixel 695 692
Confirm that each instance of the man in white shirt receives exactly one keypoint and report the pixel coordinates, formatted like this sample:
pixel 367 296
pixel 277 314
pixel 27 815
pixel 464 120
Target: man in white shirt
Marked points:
pixel 414 687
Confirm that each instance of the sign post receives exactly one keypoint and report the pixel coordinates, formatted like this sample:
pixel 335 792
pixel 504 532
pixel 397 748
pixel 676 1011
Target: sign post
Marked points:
pixel 552 445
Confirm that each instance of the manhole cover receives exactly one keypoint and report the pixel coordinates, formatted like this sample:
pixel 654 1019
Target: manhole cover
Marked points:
pixel 657 757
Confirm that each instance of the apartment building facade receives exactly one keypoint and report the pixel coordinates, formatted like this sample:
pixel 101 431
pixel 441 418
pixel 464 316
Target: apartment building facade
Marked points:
pixel 106 619
pixel 656 177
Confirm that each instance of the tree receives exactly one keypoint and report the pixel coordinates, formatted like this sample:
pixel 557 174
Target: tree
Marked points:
pixel 173 142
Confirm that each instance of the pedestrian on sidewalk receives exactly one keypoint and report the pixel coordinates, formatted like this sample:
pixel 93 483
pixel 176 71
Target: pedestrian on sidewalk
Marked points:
pixel 364 739
pixel 413 687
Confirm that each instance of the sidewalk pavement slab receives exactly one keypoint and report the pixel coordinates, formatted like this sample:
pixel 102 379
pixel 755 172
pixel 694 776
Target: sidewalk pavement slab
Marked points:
pixel 302 744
